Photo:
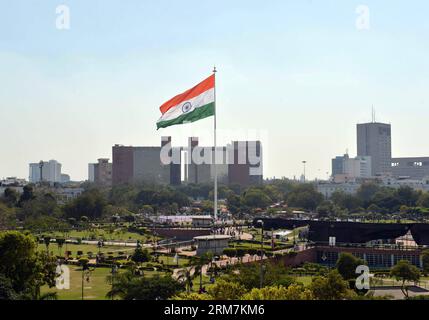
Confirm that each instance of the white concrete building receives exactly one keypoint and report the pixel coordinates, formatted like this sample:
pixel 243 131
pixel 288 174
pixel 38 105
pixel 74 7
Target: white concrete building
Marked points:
pixel 327 189
pixel 91 172
pixel 359 167
pixel 212 243
pixel 13 181
pixel 392 182
pixel 49 170
pixel 202 221
pixel 351 186
pixel 64 195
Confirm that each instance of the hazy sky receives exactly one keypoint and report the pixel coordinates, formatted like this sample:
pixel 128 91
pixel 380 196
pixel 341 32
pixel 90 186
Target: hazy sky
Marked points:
pixel 298 73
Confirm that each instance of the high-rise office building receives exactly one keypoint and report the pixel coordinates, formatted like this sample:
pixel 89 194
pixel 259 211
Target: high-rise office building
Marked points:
pixel 375 140
pixel 338 164
pixel 411 167
pixel 359 167
pixel 100 172
pixel 202 170
pixel 245 163
pixel 346 167
pixel 46 171
pixel 238 163
pixel 144 164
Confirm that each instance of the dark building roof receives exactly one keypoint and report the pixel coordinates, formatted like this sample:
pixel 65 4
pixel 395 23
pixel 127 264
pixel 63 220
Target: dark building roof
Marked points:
pixel 351 232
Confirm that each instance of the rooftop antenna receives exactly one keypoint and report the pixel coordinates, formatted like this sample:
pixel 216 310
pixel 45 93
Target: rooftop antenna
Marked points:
pixel 373 114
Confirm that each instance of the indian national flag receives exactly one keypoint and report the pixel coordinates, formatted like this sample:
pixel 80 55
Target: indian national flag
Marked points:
pixel 192 105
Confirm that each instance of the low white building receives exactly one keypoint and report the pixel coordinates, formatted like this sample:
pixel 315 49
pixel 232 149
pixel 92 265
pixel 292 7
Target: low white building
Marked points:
pixel 212 243
pixel 17 189
pixel 64 195
pixel 202 221
pixel 392 182
pixel 327 189
pixel 351 186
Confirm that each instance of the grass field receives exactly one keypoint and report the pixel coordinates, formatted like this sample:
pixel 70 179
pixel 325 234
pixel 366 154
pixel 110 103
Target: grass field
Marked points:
pixel 94 289
pixel 169 260
pixel 85 248
pixel 99 233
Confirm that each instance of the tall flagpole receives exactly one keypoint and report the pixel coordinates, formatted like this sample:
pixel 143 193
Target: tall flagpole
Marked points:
pixel 215 149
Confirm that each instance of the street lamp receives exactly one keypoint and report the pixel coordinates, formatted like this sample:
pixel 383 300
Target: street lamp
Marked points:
pixel 261 283
pixel 41 164
pixel 114 271
pixel 85 272
pixel 304 162
pixel 294 242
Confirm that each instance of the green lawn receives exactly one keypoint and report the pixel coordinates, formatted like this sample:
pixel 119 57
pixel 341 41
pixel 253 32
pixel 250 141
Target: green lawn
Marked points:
pixel 85 248
pixel 94 289
pixel 99 233
pixel 169 260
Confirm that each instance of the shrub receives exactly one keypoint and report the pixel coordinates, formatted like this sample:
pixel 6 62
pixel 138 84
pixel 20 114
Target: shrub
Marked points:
pixel 230 252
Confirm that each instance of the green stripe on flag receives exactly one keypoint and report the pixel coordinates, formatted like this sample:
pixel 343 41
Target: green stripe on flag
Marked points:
pixel 197 114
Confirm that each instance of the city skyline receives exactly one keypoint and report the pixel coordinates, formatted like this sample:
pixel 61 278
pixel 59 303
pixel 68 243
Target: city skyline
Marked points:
pixel 71 95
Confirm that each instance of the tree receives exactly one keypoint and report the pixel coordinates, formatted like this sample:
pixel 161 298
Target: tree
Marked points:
pixel 293 292
pixel 26 268
pixel 325 208
pixel 425 261
pixel 407 196
pixel 140 255
pixel 347 264
pixel 60 243
pixel 366 191
pixel 185 277
pixel 192 296
pixel 40 205
pixel 207 206
pixel 91 203
pixel 200 262
pixel 423 200
pixel 373 208
pixel 147 209
pixel 248 275
pixel 230 252
pixel 241 252
pixel 345 200
pixel 10 197
pixel 226 290
pixel 6 289
pixel 387 199
pixel 404 271
pixel 256 198
pixel 233 202
pixel 129 286
pixel 26 195
pixel 331 287
pixel 7 216
pixel 304 196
